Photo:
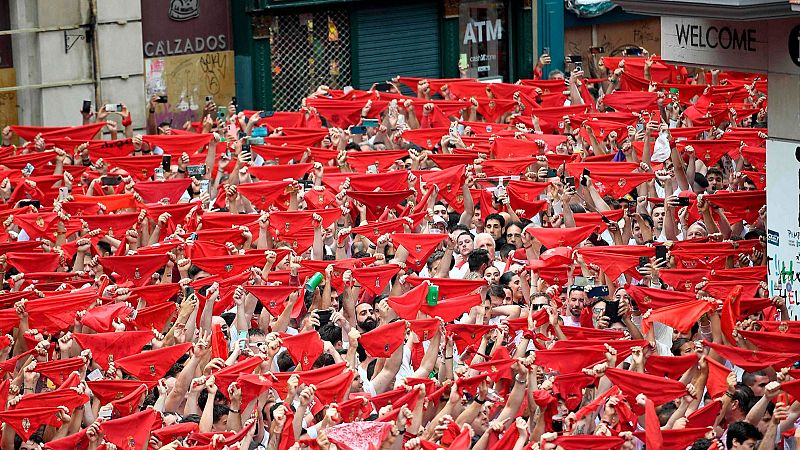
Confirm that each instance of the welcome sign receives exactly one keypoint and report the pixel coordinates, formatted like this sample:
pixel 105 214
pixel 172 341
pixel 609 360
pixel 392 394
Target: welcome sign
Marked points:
pixel 731 44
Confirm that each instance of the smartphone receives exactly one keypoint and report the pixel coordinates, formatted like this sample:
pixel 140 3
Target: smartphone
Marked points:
pixel 683 201
pixel 546 51
pixel 28 169
pixel 35 203
pixel 585 177
pixel 166 163
pixel 221 112
pixel 552 173
pixel 661 253
pixel 113 107
pixel 63 192
pixel 105 413
pixel 574 59
pixel 631 208
pixel 241 339
pixel 161 99
pixel 612 311
pixel 597 291
pixel 111 181
pixel 596 50
pixel 234 101
pixel 158 172
pixel 324 316
pixel 633 51
pixel 369 123
pixel 643 261
pixel 383 87
pixel 196 171
pixel 265 114
pixel 204 186
pixel 569 181
pixel 209 98
pixel 372 168
pixel 358 130
pixel 87 107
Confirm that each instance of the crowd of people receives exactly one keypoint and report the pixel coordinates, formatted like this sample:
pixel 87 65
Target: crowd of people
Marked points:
pixel 565 262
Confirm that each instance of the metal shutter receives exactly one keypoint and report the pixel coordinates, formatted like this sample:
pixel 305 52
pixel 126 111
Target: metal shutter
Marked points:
pixel 402 39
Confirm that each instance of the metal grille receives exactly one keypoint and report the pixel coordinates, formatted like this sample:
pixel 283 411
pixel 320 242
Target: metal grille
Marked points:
pixel 308 50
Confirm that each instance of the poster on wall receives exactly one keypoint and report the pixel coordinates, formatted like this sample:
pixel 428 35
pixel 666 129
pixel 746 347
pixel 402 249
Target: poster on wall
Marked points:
pixel 783 222
pixel 483 39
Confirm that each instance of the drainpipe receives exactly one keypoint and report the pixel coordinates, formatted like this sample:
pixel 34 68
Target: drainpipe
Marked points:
pixel 91 33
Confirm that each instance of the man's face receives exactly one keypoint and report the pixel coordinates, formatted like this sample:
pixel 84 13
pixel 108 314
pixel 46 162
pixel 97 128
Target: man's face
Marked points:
pixel 258 344
pixel 749 186
pixel 486 244
pixel 440 211
pixel 658 217
pixel 221 424
pixel 575 302
pixel 30 445
pixel 465 244
pixel 714 182
pixel 514 236
pixel 365 318
pixel 476 220
pixel 759 384
pixel 493 227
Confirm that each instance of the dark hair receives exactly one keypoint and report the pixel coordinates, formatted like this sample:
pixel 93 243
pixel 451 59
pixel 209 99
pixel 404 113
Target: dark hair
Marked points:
pixel 716 171
pixel 477 258
pixel 507 249
pixel 701 444
pixel 506 278
pixel 219 411
pixel 284 362
pixel 330 332
pixel 497 217
pixel 676 346
pixel 749 378
pixel 352 146
pixel 648 219
pixel 255 331
pixel 742 431
pixel 496 290
pixel 700 180
pixel 194 418
pixel 744 395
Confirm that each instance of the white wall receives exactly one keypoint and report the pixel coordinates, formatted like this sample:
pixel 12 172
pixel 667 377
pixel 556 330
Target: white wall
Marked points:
pixel 40 58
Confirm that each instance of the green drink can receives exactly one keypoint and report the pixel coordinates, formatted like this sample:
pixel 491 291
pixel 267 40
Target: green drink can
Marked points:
pixel 433 295
pixel 314 281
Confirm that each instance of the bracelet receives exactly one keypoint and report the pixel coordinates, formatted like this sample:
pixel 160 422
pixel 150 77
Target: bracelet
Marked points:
pixel 479 401
pixel 448 357
pixel 373 246
pixel 728 394
pixel 181 170
pixel 235 411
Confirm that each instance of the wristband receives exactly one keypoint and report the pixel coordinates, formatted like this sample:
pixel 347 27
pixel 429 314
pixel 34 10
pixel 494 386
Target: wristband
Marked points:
pixel 479 401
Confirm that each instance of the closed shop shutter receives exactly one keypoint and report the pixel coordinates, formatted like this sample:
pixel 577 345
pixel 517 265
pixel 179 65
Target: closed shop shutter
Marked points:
pixel 401 39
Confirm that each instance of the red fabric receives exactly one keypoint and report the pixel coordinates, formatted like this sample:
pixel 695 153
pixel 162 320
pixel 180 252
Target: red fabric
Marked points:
pixel 561 237
pixel 506 167
pixel 730 312
pixel 419 247
pixel 498 366
pixel 375 279
pixel 616 259
pixel 28 420
pixel 571 360
pixel 424 328
pixel 108 391
pixel 376 201
pixel 683 279
pixel 752 360
pixel 705 416
pixel 33 262
pixel 334 389
pixel 631 101
pixel 669 366
pixel 717 382
pixel 740 205
pixel 173 144
pixel 569 388
pixel 115 225
pixel 407 305
pixel 155 317
pixel 304 348
pixel 782 326
pixel 227 375
pixel 589 442
pixel 154 191
pixel 465 335
pixel 233 264
pixel 139 167
pixel 131 402
pixel 275 298
pixel 680 438
pixel 280 172
pixel 773 342
pixel 452 309
pixel 617 184
pixel 134 268
pixel 153 364
pixel 263 194
pixel 131 432
pixel 657 389
pixel 100 319
pixel 450 287
pixel 156 294
pixel 681 316
pixel 382 159
pixel 710 152
pixel 573 333
pixel 56 312
pixel 653 437
pixel 450 182
pixel 576 169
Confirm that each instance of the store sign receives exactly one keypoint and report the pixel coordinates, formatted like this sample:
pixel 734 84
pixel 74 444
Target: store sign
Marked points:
pixel 179 27
pixel 783 235
pixel 483 38
pixel 730 44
